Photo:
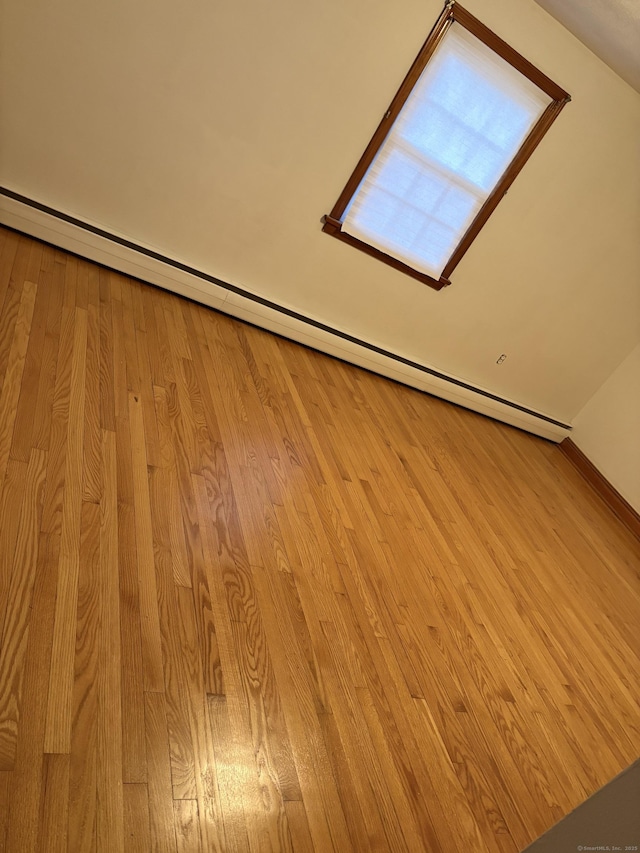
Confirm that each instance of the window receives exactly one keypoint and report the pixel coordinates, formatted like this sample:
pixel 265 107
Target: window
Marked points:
pixel 467 117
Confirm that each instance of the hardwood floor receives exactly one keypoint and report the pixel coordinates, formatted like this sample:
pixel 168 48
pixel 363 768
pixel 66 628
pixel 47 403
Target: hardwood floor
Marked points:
pixel 255 599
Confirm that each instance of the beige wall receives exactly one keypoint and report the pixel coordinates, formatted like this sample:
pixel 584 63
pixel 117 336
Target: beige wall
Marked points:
pixel 607 430
pixel 220 132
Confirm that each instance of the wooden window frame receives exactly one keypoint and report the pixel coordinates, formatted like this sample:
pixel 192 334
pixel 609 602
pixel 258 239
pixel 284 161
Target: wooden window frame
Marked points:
pixel 332 223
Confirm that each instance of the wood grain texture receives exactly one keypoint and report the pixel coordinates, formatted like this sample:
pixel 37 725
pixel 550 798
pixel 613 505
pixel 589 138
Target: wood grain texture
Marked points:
pixel 614 500
pixel 12 381
pixel 137 835
pixel 15 632
pixel 59 706
pixel 255 599
pixel 83 770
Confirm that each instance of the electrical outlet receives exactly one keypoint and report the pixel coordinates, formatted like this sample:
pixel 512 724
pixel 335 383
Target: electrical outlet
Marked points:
pixel 502 358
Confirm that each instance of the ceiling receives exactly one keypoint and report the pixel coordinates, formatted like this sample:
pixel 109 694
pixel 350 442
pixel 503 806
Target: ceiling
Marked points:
pixel 609 28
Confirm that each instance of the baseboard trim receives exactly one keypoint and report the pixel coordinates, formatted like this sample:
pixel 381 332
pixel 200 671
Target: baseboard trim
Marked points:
pixel 610 495
pixel 123 255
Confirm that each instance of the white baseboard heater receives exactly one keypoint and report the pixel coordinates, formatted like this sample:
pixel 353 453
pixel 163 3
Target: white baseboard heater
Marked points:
pixel 125 256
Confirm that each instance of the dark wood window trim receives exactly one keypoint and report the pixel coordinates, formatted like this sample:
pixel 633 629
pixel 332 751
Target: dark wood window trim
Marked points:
pixel 332 223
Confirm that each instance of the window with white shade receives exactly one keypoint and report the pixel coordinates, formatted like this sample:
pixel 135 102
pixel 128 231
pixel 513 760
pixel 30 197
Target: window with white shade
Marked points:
pixel 468 115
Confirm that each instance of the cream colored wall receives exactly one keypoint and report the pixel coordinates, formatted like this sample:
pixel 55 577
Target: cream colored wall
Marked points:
pixel 607 430
pixel 219 133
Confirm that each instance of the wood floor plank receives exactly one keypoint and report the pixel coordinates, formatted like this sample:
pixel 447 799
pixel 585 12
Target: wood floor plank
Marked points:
pixel 7 258
pixel 82 284
pixel 17 622
pixel 207 790
pixel 150 623
pixel 92 471
pixel 53 827
pixel 110 811
pixel 181 748
pixel 132 667
pixel 133 735
pixel 299 827
pixel 231 807
pixel 364 825
pixel 256 599
pixel 83 767
pixel 15 368
pixel 165 362
pixel 24 423
pixel 183 441
pixel 266 757
pixel 26 791
pixel 304 731
pixel 248 784
pixel 187 826
pixel 161 818
pixel 41 413
pixel 360 747
pixel 153 348
pixel 11 493
pixel 59 705
pixel 130 345
pixel 121 371
pixel 6 778
pixel 59 424
pixel 173 522
pixel 137 833
pixel 10 307
pixel 148 404
pixel 107 400
pixel 70 281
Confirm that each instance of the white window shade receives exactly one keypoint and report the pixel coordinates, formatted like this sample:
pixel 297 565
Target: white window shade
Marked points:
pixel 456 135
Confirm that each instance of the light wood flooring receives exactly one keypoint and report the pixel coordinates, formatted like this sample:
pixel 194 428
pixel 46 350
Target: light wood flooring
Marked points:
pixel 255 599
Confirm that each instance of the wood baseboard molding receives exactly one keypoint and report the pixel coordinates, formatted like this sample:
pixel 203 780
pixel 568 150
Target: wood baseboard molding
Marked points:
pixel 614 500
